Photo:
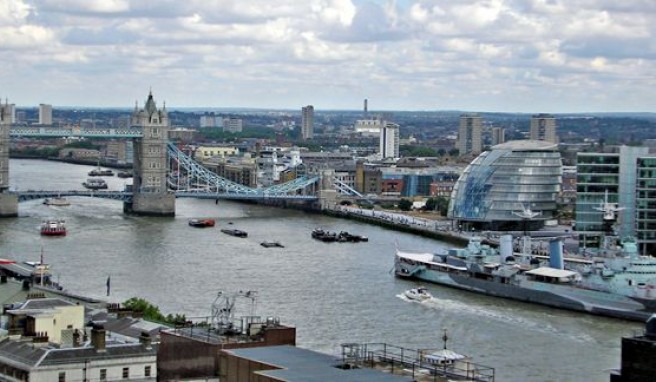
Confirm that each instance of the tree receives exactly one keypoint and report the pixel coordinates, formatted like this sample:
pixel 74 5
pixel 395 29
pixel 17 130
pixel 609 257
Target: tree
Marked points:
pixel 405 205
pixel 149 311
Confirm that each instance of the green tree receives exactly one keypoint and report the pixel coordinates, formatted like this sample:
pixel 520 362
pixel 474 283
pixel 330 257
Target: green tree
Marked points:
pixel 149 311
pixel 405 205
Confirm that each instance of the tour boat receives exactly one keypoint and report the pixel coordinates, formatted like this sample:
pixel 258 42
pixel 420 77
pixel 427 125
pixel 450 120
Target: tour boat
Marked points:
pixel 56 201
pixel 95 184
pixel 53 227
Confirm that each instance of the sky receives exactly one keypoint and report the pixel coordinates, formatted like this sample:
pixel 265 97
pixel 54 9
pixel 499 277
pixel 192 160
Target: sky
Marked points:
pixel 555 56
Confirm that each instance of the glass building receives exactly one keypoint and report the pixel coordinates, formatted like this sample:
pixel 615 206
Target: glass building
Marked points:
pixel 613 176
pixel 507 179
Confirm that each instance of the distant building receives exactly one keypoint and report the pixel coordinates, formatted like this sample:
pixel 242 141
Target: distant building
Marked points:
pixel 369 127
pixel 469 134
pixel 45 114
pixel 307 122
pixel 543 128
pixel 208 120
pixel 389 141
pixel 204 153
pixel 119 151
pixel 232 125
pixel 498 135
pixel 79 154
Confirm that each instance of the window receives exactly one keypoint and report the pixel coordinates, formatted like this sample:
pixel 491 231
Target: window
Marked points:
pixel 62 376
pixel 147 371
pixel 126 372
pixel 103 374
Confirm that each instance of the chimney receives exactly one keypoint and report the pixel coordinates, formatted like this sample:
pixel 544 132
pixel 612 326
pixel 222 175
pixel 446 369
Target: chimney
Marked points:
pixel 98 337
pixel 144 339
pixel 76 338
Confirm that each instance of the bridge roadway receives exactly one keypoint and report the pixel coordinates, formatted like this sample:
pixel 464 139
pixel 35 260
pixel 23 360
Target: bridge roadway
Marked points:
pixel 126 196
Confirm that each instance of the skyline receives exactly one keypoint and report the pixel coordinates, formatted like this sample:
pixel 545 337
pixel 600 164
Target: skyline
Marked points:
pixel 525 56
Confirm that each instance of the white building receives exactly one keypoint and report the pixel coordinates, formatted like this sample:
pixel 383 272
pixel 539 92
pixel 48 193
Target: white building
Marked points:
pixel 45 114
pixel 543 128
pixel 232 125
pixel 307 122
pixel 369 127
pixel 389 141
pixel 208 120
pixel 272 161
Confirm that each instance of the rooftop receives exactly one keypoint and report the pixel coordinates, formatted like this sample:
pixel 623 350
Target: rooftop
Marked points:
pixel 527 145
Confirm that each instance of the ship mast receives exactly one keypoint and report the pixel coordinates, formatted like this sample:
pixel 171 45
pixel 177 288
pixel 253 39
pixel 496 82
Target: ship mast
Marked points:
pixel 608 220
pixel 526 214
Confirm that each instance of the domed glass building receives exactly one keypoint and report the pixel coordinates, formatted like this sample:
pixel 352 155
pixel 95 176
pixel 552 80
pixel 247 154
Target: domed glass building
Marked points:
pixel 510 178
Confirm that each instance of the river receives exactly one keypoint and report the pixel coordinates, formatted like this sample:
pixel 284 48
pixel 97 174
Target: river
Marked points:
pixel 331 292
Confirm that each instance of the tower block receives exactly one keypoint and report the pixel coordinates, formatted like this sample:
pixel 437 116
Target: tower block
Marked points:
pixel 8 202
pixel 151 196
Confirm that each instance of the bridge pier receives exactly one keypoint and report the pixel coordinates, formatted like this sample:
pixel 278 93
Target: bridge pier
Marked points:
pixel 8 202
pixel 327 192
pixel 151 196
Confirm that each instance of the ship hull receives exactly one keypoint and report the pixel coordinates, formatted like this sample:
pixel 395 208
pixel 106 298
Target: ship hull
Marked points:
pixel 562 297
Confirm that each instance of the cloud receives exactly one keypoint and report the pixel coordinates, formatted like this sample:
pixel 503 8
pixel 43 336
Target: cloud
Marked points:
pixel 507 54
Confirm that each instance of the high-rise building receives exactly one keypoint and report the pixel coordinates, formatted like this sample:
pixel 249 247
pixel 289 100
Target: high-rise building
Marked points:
pixel 233 125
pixel 208 120
pixel 365 108
pixel 389 140
pixel 498 135
pixel 612 178
pixel 543 128
pixel 45 114
pixel 307 122
pixel 469 134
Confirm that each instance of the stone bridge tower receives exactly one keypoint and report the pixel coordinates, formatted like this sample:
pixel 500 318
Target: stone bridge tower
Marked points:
pixel 8 202
pixel 150 192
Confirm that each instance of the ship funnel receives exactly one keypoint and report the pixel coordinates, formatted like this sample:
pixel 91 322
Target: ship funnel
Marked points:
pixel 505 247
pixel 556 254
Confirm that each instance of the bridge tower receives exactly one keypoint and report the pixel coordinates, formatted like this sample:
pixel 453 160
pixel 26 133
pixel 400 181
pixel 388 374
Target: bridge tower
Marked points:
pixel 327 193
pixel 8 202
pixel 150 193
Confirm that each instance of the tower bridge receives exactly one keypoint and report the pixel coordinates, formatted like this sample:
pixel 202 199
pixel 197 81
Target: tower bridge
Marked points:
pixel 154 157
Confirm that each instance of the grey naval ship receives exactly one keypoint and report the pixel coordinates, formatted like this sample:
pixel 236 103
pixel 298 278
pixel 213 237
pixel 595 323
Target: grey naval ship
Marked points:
pixel 621 285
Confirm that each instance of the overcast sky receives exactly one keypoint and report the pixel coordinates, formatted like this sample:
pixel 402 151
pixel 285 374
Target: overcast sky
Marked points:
pixel 495 55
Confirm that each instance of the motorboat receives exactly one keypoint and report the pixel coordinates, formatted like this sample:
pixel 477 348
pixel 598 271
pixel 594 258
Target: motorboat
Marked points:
pixel 272 244
pixel 201 223
pixel 235 232
pixel 101 172
pixel 95 184
pixel 56 201
pixel 53 227
pixel 124 174
pixel 418 294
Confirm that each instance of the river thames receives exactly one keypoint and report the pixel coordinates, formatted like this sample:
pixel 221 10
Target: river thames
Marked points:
pixel 331 292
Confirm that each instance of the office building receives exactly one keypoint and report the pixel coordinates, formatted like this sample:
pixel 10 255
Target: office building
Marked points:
pixel 543 128
pixel 389 140
pixel 469 134
pixel 232 125
pixel 610 177
pixel 307 122
pixel 498 136
pixel 45 114
pixel 504 181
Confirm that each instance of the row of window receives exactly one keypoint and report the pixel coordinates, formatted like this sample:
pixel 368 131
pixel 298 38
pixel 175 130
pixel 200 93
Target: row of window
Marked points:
pixel 103 373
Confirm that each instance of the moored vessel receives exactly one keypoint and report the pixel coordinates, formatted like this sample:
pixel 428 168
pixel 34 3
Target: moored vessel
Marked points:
pixel 527 279
pixel 272 244
pixel 201 223
pixel 56 201
pixel 235 232
pixel 95 184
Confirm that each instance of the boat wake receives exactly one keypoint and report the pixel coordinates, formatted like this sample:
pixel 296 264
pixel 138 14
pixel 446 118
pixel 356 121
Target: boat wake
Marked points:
pixel 506 316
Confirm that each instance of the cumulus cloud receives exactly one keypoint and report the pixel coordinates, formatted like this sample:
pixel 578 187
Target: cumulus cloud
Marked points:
pixel 529 55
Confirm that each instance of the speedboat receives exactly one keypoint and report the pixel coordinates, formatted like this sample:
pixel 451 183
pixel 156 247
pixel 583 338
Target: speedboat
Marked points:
pixel 201 223
pixel 53 227
pixel 418 294
pixel 272 244
pixel 235 232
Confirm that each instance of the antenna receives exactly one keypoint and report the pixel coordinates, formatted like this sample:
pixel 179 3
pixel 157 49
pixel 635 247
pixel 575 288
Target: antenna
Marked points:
pixel 609 217
pixel 526 214
pixel 223 310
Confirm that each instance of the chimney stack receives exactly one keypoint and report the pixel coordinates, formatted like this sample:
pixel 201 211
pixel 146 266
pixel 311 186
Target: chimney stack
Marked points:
pixel 144 339
pixel 76 338
pixel 98 337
